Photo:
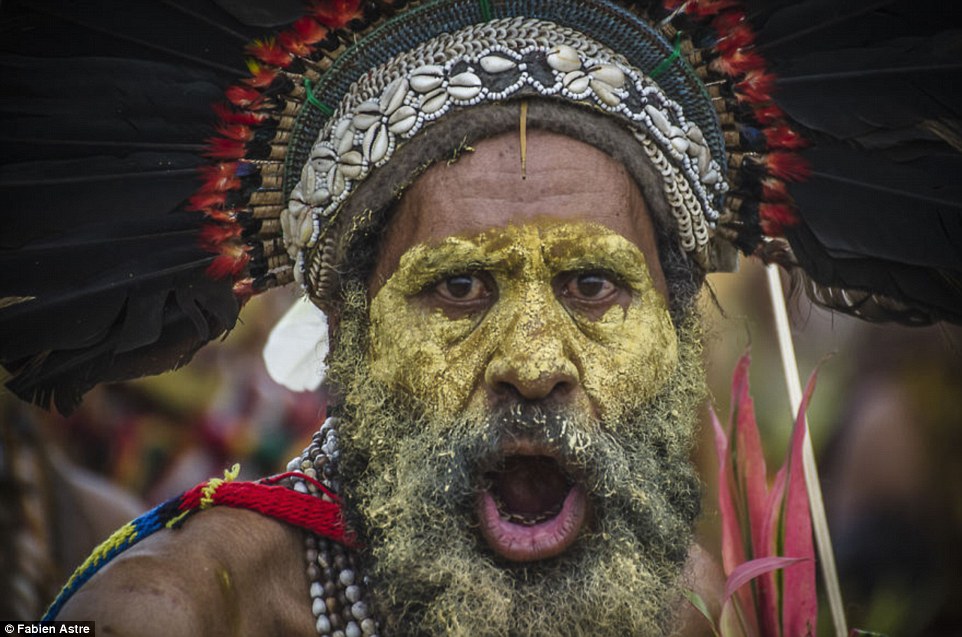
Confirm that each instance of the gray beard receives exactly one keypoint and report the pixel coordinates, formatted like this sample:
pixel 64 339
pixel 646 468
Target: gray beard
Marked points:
pixel 411 482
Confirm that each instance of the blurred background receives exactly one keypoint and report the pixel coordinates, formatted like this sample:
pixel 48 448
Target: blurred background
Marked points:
pixel 885 418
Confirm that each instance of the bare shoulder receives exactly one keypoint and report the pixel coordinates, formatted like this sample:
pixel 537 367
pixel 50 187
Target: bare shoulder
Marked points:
pixel 225 572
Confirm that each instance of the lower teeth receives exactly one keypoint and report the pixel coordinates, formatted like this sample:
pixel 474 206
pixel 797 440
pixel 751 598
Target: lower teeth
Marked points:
pixel 526 519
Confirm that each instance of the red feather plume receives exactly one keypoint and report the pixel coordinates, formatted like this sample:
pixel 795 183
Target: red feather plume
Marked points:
pixel 783 136
pixel 336 13
pixel 243 96
pixel 244 289
pixel 293 44
pixel 223 148
pixel 774 189
pixel 738 62
pixel 705 8
pixel 787 166
pixel 232 116
pixel 261 76
pixel 230 263
pixel 738 38
pixel 310 31
pixel 237 132
pixel 776 217
pixel 219 177
pixel 269 51
pixel 206 201
pixel 768 114
pixel 214 235
pixel 756 87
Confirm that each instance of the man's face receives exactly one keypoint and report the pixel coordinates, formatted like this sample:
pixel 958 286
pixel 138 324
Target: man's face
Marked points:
pixel 510 411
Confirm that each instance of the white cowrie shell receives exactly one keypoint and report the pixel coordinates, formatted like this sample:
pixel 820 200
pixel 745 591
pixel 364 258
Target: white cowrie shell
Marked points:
pixel 609 74
pixel 322 165
pixel 497 64
pixel 286 225
pixel 658 119
pixel 402 120
pixel 296 208
pixel 434 101
pixel 393 96
pixel 322 157
pixel 345 140
pixel 695 134
pixel 674 131
pixel 323 151
pixel 319 197
pixel 605 93
pixel 305 230
pixel 711 177
pixel 427 78
pixel 576 82
pixel 694 149
pixel 375 143
pixel 680 144
pixel 298 265
pixel 335 181
pixel 464 86
pixel 367 115
pixel 564 58
pixel 351 164
pixel 308 179
pixel 704 158
pixel 308 182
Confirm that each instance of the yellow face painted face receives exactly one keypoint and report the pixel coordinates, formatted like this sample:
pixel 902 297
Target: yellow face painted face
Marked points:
pixel 546 308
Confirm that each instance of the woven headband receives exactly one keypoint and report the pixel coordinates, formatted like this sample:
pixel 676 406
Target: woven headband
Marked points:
pixel 324 121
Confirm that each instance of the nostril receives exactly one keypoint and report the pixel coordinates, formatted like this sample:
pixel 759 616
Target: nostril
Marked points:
pixel 546 386
pixel 519 376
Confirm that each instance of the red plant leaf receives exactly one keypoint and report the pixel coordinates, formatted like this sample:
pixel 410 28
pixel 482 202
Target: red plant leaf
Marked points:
pixel 750 570
pixel 733 548
pixel 799 604
pixel 752 496
pixel 749 461
pixel 739 611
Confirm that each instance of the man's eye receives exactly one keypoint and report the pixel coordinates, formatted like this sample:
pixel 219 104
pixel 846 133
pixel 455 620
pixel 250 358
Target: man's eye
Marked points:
pixel 462 288
pixel 589 286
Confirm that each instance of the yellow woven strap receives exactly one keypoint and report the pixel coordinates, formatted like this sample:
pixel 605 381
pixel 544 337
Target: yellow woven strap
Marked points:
pixel 207 494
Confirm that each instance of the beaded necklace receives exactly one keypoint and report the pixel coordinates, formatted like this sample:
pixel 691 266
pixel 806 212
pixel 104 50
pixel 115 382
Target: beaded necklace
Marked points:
pixel 340 596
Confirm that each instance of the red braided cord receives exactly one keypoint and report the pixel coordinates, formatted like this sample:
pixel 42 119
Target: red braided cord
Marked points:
pixel 299 509
pixel 304 477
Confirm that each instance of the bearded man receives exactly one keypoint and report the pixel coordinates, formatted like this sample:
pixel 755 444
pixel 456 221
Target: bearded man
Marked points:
pixel 518 411
pixel 506 211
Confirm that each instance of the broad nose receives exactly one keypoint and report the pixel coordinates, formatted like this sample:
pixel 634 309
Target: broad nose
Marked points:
pixel 531 362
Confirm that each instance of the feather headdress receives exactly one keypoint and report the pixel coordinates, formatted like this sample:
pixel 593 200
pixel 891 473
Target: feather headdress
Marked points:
pixel 137 219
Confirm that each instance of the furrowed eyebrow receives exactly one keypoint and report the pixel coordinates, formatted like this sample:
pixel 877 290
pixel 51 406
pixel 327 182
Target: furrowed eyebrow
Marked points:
pixel 425 264
pixel 607 252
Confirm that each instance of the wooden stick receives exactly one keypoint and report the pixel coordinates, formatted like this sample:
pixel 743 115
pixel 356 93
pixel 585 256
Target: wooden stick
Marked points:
pixel 823 539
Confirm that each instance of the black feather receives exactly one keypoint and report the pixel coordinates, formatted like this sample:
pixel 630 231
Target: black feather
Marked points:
pixel 876 85
pixel 105 106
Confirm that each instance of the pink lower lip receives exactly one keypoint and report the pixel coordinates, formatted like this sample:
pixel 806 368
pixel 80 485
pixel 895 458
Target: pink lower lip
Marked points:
pixel 521 543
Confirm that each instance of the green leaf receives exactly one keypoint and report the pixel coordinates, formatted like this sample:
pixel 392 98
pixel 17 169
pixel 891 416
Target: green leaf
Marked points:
pixel 696 600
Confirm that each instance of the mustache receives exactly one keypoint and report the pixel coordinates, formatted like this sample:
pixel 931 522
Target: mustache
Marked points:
pixel 628 476
pixel 593 456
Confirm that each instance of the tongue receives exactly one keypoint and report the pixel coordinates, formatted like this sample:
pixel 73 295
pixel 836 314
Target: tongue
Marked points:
pixel 531 485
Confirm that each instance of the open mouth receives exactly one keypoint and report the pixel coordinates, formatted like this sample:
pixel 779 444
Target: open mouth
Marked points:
pixel 532 509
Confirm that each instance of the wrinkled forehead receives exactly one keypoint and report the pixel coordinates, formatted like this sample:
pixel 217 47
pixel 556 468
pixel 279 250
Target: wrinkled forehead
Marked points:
pixel 556 178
